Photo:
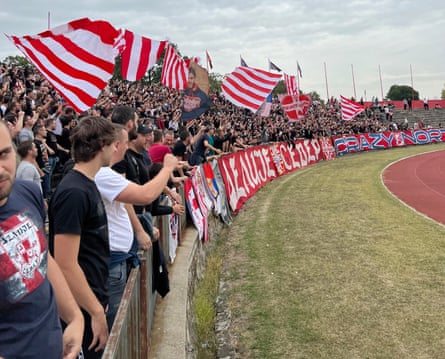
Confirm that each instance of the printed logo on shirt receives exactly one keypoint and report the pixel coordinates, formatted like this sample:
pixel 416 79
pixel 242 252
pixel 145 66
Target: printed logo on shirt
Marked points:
pixel 22 256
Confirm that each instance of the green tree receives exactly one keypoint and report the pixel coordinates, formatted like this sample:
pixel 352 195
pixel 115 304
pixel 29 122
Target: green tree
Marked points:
pixel 17 60
pixel 315 97
pixel 443 93
pixel 215 81
pixel 399 92
pixel 280 88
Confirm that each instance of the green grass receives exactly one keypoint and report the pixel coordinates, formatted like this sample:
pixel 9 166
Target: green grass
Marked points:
pixel 204 306
pixel 325 263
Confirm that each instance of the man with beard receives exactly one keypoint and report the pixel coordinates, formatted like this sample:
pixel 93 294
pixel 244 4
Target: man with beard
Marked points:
pixel 32 286
pixel 78 228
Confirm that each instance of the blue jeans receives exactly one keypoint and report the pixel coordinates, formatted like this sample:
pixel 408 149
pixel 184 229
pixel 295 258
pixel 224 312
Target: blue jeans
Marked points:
pixel 117 279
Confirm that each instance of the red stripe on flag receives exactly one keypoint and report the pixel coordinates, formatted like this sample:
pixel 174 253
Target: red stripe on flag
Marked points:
pixel 248 87
pixel 140 55
pixel 350 109
pixel 77 58
pixel 175 70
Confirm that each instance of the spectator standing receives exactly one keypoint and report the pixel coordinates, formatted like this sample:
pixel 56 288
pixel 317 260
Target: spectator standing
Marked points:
pixel 123 223
pixel 28 169
pixel 78 230
pixel 43 158
pixel 31 288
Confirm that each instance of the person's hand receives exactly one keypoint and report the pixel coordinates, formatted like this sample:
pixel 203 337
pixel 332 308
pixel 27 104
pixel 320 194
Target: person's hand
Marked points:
pixel 176 197
pixel 72 337
pixel 143 239
pixel 179 209
pixel 100 331
pixel 170 162
pixel 156 234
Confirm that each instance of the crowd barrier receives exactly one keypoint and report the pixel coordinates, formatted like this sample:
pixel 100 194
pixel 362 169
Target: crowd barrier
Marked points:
pixel 221 188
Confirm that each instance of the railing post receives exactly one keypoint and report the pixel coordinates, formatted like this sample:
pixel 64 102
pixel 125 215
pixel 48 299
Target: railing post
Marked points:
pixel 143 308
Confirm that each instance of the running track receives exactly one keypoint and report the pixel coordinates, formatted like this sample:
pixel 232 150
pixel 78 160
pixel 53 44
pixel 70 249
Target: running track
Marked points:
pixel 419 181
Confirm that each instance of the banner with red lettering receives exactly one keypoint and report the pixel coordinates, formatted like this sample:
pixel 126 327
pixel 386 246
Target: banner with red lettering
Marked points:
pixel 245 172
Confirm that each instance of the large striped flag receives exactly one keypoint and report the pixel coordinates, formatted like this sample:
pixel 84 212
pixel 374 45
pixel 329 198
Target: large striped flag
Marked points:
pixel 175 70
pixel 248 87
pixel 350 109
pixel 140 54
pixel 291 84
pixel 77 58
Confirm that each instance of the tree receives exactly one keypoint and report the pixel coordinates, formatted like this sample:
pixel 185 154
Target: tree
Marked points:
pixel 399 92
pixel 315 97
pixel 280 88
pixel 17 60
pixel 443 93
pixel 215 81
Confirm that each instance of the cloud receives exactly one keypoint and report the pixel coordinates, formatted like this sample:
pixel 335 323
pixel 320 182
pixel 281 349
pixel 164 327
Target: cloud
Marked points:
pixel 389 33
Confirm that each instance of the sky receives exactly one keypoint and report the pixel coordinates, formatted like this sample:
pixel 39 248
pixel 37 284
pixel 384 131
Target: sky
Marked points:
pixel 358 42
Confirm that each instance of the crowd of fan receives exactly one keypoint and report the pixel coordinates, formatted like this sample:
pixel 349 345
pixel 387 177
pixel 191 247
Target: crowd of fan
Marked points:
pixel 30 106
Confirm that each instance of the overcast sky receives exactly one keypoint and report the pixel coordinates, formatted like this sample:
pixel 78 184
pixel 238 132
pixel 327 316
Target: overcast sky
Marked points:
pixel 341 34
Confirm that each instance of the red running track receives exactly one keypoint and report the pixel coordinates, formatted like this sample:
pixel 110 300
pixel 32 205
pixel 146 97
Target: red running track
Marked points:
pixel 419 181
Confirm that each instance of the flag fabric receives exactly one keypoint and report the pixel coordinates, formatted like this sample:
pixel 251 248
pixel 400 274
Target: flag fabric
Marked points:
pixel 242 62
pixel 174 71
pixel 140 54
pixel 266 107
pixel 350 109
pixel 209 61
pixel 299 69
pixel 248 87
pixel 291 84
pixel 77 58
pixel 295 107
pixel 272 66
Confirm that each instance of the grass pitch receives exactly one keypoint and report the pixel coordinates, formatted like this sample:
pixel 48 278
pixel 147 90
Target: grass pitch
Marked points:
pixel 325 263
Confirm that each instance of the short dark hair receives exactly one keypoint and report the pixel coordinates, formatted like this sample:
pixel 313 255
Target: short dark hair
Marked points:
pixel 184 134
pixel 24 147
pixel 90 136
pixel 122 114
pixel 157 136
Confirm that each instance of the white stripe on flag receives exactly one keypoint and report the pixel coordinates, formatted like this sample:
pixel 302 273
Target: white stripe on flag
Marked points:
pixel 77 58
pixel 349 108
pixel 174 71
pixel 248 87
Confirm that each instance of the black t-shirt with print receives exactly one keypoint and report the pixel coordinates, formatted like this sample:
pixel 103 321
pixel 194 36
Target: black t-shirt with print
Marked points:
pixel 76 207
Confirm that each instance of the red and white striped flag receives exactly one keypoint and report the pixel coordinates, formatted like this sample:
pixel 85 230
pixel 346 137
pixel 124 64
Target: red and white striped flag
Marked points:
pixel 248 87
pixel 291 85
pixel 77 58
pixel 175 70
pixel 140 54
pixel 209 60
pixel 350 109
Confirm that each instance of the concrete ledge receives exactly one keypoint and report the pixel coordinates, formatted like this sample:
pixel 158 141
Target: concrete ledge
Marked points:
pixel 170 327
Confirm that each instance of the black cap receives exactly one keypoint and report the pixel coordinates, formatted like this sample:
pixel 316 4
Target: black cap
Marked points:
pixel 144 129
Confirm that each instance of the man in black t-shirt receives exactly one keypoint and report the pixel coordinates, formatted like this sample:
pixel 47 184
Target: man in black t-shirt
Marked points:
pixel 78 231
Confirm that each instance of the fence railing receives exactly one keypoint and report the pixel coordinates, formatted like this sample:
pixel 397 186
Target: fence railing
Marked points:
pixel 131 332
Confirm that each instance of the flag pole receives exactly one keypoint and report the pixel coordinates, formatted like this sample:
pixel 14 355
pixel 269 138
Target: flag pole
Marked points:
pixel 353 81
pixel 49 20
pixel 381 85
pixel 207 62
pixel 326 80
pixel 412 84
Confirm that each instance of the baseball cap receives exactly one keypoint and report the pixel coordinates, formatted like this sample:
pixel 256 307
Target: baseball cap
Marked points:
pixel 144 129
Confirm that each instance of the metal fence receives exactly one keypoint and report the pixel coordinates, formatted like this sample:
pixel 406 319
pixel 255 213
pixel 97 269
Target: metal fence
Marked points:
pixel 131 332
